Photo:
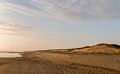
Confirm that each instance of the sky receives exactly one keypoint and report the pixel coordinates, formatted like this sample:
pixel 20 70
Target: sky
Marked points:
pixel 27 25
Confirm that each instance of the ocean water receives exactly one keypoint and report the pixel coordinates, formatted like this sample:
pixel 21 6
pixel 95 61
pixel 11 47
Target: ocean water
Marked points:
pixel 10 55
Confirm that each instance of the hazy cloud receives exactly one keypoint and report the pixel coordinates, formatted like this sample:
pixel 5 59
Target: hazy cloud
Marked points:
pixel 83 9
pixel 8 27
pixel 17 8
pixel 80 9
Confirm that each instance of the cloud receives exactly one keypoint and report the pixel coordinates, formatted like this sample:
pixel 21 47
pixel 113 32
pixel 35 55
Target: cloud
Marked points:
pixel 18 8
pixel 8 27
pixel 80 9
pixel 13 27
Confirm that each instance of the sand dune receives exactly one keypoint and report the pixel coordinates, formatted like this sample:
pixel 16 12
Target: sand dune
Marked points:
pixel 100 48
pixel 65 61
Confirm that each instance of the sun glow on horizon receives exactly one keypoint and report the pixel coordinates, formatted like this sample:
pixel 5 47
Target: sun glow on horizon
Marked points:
pixel 4 42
